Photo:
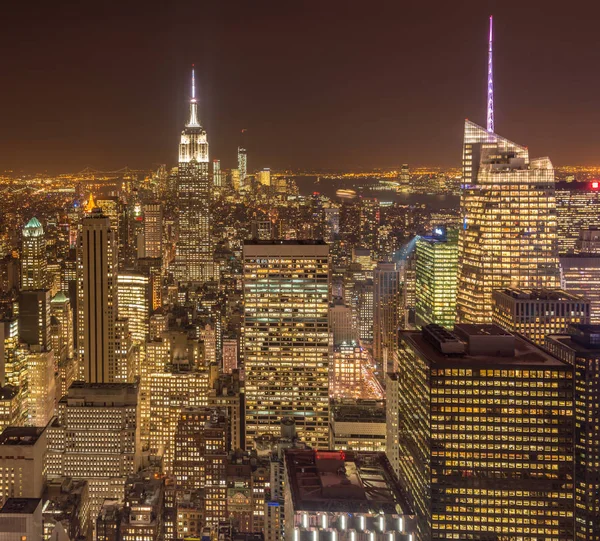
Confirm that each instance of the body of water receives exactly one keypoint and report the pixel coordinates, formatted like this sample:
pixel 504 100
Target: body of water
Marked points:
pixel 308 185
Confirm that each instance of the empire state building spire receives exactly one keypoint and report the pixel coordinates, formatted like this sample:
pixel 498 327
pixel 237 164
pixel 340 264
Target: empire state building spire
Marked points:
pixel 193 120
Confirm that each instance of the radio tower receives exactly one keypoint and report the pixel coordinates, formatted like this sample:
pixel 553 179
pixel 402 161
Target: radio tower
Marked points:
pixel 490 81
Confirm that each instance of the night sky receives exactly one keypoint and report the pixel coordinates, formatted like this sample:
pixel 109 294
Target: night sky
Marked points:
pixel 319 84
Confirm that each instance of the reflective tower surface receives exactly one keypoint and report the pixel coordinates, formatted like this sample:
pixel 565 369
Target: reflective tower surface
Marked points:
pixel 508 237
pixel 194 257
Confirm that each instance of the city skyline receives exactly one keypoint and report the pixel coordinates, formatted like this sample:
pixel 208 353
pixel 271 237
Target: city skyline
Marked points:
pixel 297 99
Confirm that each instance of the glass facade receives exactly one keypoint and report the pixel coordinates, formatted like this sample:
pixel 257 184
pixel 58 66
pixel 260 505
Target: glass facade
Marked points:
pixel 509 233
pixel 437 267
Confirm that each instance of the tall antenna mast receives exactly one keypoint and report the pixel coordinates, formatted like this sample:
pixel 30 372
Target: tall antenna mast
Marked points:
pixel 490 85
pixel 193 83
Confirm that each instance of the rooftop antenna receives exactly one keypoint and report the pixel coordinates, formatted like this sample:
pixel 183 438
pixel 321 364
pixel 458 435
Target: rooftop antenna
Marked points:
pixel 490 82
pixel 193 83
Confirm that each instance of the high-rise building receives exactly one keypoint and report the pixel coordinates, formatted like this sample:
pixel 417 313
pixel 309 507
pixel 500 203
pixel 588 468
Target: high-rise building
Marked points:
pixel 235 179
pixel 577 208
pixel 536 313
pixel 133 303
pixel 218 181
pixel 264 177
pixel 194 257
pixel 286 337
pixel 63 343
pixel 580 272
pixel 96 437
pixel 404 178
pixel 202 432
pixel 33 260
pixel 167 394
pixel 60 309
pixel 331 219
pixel 580 347
pixel 387 298
pixel 358 425
pixel 408 273
pixel 437 267
pixel 485 418
pixel 364 310
pixel 41 387
pixel 369 223
pixel 230 354
pixel 344 495
pixel 96 299
pixel 22 462
pixel 34 319
pixel 346 372
pixel 21 519
pixel 153 230
pixel 495 249
pixel 242 157
pixel 341 324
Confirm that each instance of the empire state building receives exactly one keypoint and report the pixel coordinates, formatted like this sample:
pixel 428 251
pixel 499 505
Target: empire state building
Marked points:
pixel 194 254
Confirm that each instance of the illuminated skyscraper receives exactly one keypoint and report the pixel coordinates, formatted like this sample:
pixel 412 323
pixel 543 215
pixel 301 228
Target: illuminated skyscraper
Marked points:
pixel 33 260
pixel 153 230
pixel 369 222
pixel 387 297
pixel 485 446
pixel 437 265
pixel 217 174
pixel 242 165
pixel 133 296
pixel 404 178
pixel 577 209
pixel 96 436
pixel 202 432
pixel 194 257
pixel 34 319
pixel 509 233
pixel 286 338
pixel 580 274
pixel 580 347
pixel 536 313
pixel 508 237
pixel 264 177
pixel 97 299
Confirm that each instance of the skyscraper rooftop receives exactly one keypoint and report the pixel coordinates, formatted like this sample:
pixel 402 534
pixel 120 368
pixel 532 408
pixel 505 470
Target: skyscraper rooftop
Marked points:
pixel 33 228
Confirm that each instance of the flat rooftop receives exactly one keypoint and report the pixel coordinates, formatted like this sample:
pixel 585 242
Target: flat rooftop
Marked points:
pixel 344 481
pixel 526 354
pixel 21 506
pixel 8 392
pixel 539 294
pixel 21 435
pixel 358 412
pixel 282 242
